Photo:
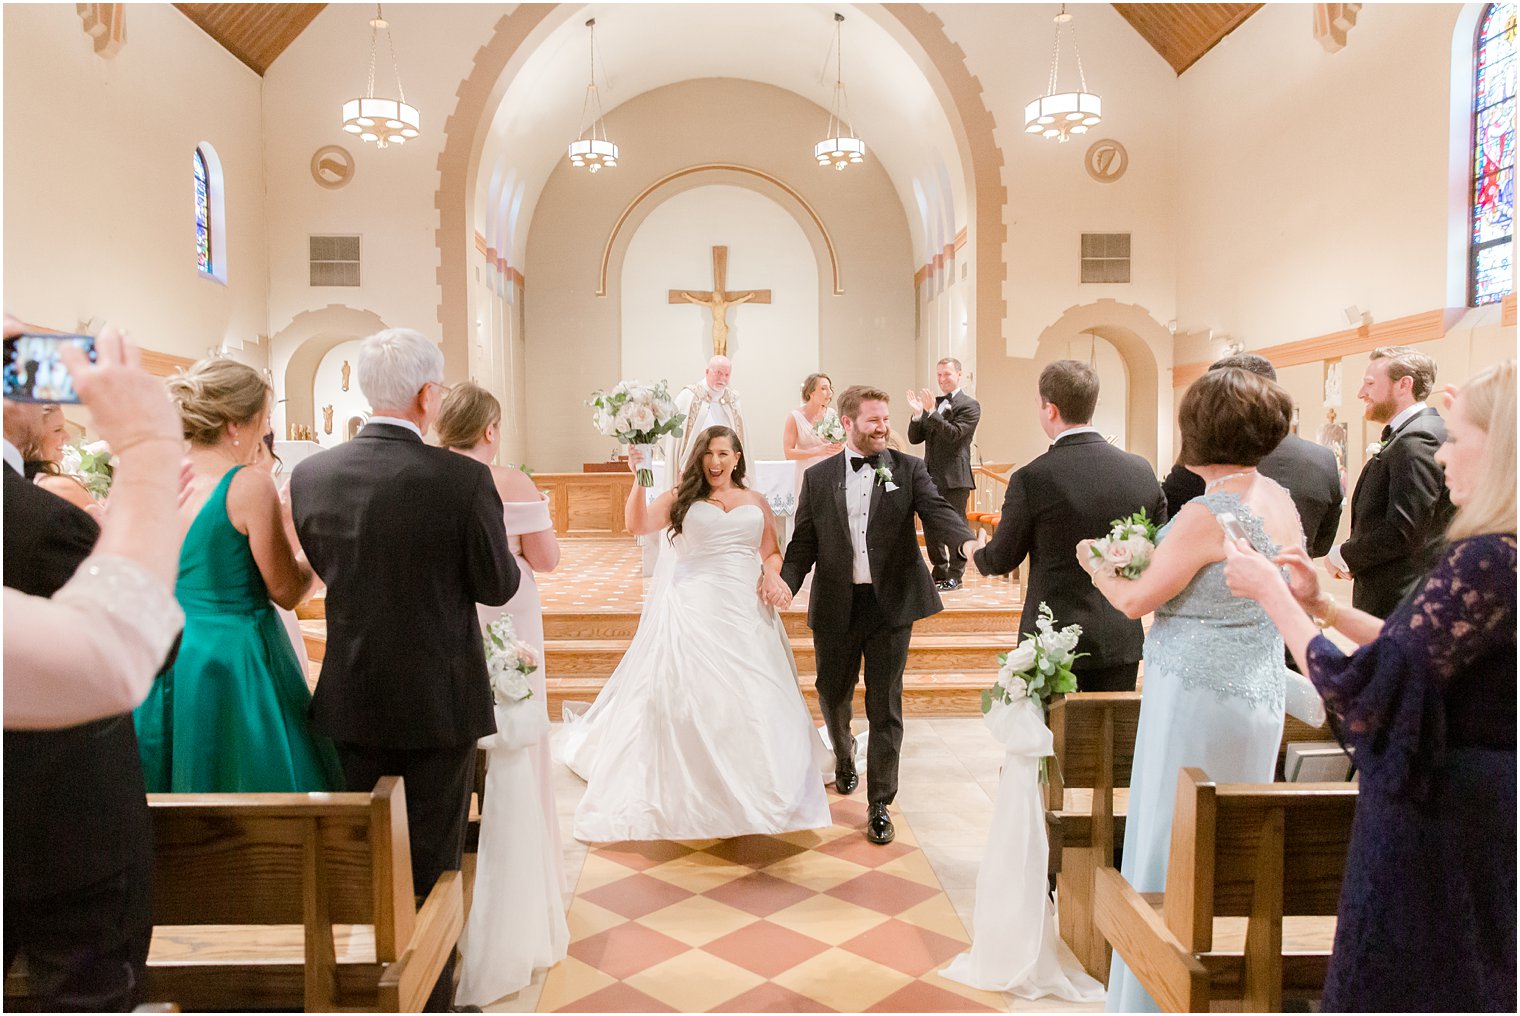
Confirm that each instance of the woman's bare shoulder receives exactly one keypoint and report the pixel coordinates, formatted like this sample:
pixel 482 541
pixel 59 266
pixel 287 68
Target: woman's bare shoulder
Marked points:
pixel 513 484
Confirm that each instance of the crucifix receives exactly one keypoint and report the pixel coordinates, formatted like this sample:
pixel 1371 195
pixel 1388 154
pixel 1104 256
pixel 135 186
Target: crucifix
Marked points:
pixel 718 300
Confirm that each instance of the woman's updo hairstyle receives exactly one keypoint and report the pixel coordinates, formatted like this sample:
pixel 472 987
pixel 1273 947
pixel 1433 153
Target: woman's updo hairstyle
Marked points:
pixel 214 393
pixel 811 382
pixel 466 413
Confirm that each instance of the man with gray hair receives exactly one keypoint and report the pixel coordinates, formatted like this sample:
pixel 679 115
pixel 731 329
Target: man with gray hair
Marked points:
pixel 408 538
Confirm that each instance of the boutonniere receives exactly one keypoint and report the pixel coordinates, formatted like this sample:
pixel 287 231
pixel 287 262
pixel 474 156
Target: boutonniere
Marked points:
pixel 884 476
pixel 1375 448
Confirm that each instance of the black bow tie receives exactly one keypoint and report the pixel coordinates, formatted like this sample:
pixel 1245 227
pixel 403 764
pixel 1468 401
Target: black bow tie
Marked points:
pixel 857 463
pixel 942 398
pixel 1388 433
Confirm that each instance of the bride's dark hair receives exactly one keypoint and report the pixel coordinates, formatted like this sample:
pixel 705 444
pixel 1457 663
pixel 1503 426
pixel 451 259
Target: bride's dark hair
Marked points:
pixel 694 486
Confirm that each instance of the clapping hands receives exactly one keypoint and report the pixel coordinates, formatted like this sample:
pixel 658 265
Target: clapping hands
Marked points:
pixel 920 401
pixel 774 592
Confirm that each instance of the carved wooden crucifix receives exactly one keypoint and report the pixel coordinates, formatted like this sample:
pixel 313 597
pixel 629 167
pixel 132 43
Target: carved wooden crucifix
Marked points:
pixel 718 299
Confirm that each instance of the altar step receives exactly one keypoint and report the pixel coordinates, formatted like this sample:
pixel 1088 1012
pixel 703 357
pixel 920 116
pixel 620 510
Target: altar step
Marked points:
pixel 622 624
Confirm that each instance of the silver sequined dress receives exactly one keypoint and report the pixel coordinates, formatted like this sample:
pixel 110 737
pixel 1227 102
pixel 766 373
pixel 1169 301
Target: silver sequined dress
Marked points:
pixel 1213 698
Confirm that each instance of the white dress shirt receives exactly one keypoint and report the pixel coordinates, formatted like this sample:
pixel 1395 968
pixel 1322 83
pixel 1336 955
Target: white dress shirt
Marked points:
pixel 942 406
pixel 395 421
pixel 13 458
pixel 857 497
pixel 1404 417
pixel 1074 431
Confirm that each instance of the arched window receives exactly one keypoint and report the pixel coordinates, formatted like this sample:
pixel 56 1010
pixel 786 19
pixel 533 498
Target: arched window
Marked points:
pixel 1491 250
pixel 203 215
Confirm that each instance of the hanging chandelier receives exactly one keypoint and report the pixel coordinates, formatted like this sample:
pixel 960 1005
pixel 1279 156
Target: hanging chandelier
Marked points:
pixel 1059 115
pixel 386 122
pixel 841 147
pixel 592 149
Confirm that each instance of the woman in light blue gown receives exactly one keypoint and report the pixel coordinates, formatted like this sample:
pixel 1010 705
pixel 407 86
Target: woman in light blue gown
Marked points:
pixel 1212 689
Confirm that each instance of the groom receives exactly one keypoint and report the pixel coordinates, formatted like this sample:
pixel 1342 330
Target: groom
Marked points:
pixel 854 526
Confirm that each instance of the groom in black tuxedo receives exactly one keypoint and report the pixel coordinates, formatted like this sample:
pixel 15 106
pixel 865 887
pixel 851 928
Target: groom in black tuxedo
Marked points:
pixel 408 538
pixel 854 528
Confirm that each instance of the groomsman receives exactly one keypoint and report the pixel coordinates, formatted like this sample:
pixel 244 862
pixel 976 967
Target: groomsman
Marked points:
pixel 946 425
pixel 1401 508
pixel 1306 470
pixel 1069 494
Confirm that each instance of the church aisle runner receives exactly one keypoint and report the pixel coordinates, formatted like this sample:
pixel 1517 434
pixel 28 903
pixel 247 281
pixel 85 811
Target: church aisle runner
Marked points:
pixel 816 921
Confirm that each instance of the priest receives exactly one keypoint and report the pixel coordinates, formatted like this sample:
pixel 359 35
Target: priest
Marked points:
pixel 708 403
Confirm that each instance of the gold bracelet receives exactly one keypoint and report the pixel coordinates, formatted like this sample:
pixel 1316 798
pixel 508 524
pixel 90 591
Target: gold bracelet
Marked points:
pixel 1325 618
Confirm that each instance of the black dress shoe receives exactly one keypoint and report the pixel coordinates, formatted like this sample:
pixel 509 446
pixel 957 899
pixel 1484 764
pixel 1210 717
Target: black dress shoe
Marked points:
pixel 845 778
pixel 948 585
pixel 879 825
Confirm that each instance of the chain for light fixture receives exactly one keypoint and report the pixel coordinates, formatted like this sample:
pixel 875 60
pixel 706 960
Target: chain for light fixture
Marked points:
pixel 592 149
pixel 841 147
pixel 384 121
pixel 1058 114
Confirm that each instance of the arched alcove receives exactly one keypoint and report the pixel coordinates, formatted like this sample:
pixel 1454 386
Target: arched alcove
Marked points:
pixel 297 350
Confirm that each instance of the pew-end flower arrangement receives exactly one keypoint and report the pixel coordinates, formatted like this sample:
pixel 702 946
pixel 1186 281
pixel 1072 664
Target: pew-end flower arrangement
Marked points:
pixel 638 414
pixel 1126 551
pixel 1028 675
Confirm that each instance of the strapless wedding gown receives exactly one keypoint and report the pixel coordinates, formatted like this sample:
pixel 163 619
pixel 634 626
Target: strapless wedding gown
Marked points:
pixel 701 732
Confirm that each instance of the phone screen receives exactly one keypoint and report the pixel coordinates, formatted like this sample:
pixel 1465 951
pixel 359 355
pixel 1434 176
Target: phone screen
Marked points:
pixel 34 372
pixel 1232 527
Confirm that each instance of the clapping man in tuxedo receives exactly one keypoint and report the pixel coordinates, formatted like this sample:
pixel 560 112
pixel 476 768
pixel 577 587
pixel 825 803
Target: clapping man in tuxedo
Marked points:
pixel 1071 493
pixel 946 425
pixel 1401 508
pixel 855 530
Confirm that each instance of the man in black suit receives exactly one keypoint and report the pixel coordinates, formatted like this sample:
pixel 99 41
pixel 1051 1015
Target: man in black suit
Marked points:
pixel 946 426
pixel 854 528
pixel 1073 492
pixel 1305 469
pixel 408 538
pixel 1401 508
pixel 78 843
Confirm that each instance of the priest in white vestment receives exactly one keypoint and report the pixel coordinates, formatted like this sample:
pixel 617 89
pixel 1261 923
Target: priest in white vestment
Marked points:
pixel 708 403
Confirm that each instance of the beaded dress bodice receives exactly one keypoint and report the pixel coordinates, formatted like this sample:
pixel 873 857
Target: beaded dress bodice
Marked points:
pixel 1211 639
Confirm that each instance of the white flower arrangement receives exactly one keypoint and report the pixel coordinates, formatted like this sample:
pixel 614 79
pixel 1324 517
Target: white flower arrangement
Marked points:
pixel 1039 666
pixel 92 465
pixel 636 413
pixel 829 427
pixel 509 660
pixel 1126 551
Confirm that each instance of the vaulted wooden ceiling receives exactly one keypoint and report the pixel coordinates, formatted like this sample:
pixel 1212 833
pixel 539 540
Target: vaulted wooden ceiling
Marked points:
pixel 257 33
pixel 254 33
pixel 1182 33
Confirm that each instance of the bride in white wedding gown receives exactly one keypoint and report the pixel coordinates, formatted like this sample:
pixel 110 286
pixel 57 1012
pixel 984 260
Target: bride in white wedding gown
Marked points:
pixel 702 732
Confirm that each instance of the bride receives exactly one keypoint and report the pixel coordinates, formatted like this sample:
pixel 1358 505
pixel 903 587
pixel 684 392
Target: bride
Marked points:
pixel 701 732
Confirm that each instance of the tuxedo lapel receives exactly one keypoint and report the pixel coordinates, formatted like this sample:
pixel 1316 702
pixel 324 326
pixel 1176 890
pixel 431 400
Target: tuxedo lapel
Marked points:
pixel 877 489
pixel 841 501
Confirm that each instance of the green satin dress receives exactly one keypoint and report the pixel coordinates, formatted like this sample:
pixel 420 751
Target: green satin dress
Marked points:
pixel 230 714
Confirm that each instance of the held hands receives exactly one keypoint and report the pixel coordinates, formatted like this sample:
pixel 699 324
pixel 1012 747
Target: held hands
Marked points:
pixel 774 592
pixel 968 549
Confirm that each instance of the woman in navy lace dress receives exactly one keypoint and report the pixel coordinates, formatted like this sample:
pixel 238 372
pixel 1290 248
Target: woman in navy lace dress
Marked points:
pixel 1427 909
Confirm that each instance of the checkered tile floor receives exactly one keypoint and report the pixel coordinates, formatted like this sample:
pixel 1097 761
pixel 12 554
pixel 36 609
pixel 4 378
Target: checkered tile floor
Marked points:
pixel 817 921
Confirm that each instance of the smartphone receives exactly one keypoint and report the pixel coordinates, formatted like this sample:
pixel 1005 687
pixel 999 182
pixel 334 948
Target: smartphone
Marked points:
pixel 1232 527
pixel 34 372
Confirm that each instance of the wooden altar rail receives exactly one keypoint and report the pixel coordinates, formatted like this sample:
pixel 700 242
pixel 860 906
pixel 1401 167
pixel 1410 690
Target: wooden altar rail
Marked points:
pixel 586 504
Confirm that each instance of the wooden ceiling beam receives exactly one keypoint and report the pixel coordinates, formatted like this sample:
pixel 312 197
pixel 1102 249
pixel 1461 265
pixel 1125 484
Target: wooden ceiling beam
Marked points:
pixel 1183 33
pixel 254 33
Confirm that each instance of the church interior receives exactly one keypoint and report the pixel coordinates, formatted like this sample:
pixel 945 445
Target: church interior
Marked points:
pixel 571 195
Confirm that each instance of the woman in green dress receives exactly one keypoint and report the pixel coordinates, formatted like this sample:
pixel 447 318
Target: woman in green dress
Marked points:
pixel 230 714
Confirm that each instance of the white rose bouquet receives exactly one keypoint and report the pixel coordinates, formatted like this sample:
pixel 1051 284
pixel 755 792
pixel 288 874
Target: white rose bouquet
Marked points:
pixel 829 427
pixel 91 465
pixel 1126 551
pixel 1039 666
pixel 509 661
pixel 638 414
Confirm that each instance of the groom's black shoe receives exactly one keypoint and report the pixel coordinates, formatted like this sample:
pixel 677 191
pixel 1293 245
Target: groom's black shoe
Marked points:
pixel 845 778
pixel 879 825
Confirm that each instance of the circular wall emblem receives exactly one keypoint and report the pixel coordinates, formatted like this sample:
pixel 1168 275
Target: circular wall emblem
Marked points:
pixel 1106 160
pixel 332 166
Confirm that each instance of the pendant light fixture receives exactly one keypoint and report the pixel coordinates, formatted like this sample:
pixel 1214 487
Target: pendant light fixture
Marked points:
pixel 1060 114
pixel 592 149
pixel 841 147
pixel 384 121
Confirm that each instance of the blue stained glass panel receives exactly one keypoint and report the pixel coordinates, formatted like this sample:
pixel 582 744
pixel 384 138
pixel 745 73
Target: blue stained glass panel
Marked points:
pixel 1496 82
pixel 1493 140
pixel 1492 273
pixel 202 214
pixel 1494 144
pixel 1493 218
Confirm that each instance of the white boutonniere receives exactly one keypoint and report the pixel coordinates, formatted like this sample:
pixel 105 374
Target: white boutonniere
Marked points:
pixel 1375 448
pixel 884 476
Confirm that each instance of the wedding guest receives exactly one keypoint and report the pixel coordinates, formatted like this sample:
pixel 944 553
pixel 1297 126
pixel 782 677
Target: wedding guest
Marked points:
pixel 1306 469
pixel 1213 688
pixel 230 715
pixel 946 425
pixel 78 842
pixel 517 922
pixel 1400 507
pixel 44 458
pixel 1426 920
pixel 1052 504
pixel 409 538
pixel 800 440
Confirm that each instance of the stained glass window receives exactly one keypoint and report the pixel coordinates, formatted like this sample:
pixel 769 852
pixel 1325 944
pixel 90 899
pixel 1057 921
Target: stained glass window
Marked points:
pixel 1493 193
pixel 202 214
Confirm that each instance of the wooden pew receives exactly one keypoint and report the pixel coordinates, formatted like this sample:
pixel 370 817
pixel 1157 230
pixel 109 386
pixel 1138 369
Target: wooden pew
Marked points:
pixel 1263 852
pixel 257 861
pixel 1087 799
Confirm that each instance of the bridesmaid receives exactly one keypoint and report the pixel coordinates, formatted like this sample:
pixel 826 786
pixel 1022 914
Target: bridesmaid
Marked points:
pixel 799 440
pixel 516 923
pixel 230 714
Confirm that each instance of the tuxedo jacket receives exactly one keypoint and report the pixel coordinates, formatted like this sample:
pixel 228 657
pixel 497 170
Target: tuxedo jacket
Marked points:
pixel 408 538
pixel 1399 515
pixel 946 436
pixel 1071 493
pixel 76 810
pixel 1306 470
pixel 899 577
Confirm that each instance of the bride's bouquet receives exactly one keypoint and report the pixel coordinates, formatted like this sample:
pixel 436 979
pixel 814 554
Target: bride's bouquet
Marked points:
pixel 1126 551
pixel 638 414
pixel 829 427
pixel 509 660
pixel 91 465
